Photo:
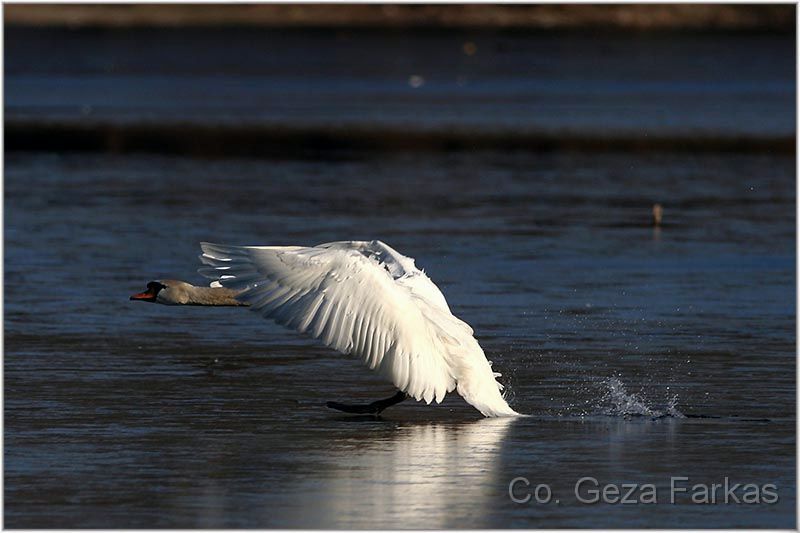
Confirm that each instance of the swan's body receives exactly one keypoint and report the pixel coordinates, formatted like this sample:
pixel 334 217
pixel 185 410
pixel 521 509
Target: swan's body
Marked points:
pixel 367 299
pixel 176 292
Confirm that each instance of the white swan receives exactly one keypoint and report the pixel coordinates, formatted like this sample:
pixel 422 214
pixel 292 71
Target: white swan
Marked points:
pixel 358 297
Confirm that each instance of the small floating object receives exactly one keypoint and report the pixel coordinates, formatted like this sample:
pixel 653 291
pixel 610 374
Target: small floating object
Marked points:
pixel 416 81
pixel 658 213
pixel 470 48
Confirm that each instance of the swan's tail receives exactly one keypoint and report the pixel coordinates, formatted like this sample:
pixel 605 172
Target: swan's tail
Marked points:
pixel 489 402
pixel 475 380
pixel 478 385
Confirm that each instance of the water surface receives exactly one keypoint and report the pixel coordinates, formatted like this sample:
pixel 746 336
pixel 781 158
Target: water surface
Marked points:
pixel 639 353
pixel 605 84
pixel 122 414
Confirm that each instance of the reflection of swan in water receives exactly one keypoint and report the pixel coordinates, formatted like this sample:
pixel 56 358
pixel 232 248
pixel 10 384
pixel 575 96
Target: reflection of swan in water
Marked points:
pixel 429 475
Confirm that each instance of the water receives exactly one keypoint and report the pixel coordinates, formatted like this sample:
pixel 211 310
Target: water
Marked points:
pixel 606 84
pixel 640 354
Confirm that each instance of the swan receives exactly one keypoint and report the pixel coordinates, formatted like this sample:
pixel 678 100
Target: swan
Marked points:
pixel 358 297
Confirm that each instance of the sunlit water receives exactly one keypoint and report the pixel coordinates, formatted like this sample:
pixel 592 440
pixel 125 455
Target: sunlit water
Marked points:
pixel 638 353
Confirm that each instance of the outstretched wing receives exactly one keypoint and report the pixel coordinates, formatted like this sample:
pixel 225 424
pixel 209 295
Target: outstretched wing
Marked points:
pixel 400 267
pixel 347 299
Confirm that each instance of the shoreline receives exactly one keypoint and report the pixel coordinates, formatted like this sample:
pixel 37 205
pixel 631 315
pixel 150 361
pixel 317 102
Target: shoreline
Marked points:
pixel 265 140
pixel 635 17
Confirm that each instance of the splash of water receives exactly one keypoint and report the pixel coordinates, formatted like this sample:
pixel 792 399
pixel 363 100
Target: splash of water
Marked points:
pixel 617 401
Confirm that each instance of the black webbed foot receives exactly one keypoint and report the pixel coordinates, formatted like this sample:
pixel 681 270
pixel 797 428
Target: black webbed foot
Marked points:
pixel 373 408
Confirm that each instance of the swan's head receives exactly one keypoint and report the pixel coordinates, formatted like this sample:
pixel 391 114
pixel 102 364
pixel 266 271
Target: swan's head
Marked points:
pixel 168 291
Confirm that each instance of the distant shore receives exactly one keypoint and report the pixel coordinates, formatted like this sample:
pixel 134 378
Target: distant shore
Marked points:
pixel 730 17
pixel 265 140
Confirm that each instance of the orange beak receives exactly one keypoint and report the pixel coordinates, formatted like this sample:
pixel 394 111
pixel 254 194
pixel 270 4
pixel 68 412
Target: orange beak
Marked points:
pixel 148 296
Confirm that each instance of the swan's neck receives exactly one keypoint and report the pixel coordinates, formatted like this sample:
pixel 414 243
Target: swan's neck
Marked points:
pixel 212 296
